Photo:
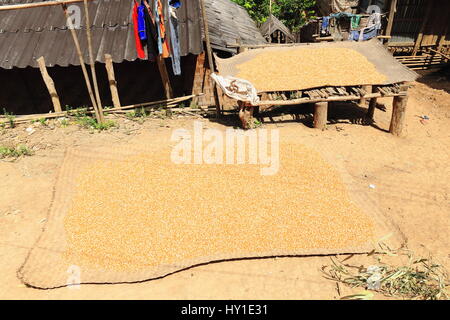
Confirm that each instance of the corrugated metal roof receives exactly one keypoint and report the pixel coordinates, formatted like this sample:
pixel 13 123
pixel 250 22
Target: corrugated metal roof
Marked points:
pixel 26 35
pixel 229 23
pixel 29 34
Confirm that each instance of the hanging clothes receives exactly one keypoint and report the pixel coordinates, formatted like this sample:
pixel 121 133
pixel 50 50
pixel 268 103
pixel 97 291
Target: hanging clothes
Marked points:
pixel 139 46
pixel 174 38
pixel 175 4
pixel 355 20
pixel 375 20
pixel 152 33
pixel 368 33
pixel 354 35
pixel 141 22
pixel 156 21
pixel 325 25
pixel 165 52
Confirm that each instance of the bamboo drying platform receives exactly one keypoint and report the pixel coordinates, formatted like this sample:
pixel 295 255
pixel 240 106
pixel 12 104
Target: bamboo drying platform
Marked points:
pixel 398 79
pixel 330 94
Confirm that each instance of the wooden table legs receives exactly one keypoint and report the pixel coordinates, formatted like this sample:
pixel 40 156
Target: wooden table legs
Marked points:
pixel 246 114
pixel 320 115
pixel 398 115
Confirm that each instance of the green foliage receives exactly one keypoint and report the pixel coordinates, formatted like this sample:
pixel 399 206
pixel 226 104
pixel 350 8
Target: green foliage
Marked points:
pixel 293 13
pixel 91 123
pixel 10 118
pixel 11 152
pixel 137 113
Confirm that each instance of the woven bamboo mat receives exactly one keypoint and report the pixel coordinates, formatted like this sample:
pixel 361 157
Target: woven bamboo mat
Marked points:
pixel 376 54
pixel 47 266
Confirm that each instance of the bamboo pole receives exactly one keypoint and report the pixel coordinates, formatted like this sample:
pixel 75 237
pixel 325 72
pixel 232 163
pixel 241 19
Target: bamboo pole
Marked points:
pixel 328 99
pixel 443 36
pixel 418 41
pixel 92 63
pixel 210 56
pixel 38 4
pixel 49 84
pixel 83 66
pixel 392 10
pixel 168 103
pixel 440 53
pixel 112 80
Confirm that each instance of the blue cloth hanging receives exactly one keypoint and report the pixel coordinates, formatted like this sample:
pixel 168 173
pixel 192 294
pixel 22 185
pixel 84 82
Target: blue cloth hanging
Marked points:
pixel 141 22
pixel 174 39
pixel 325 23
pixel 175 3
pixel 354 35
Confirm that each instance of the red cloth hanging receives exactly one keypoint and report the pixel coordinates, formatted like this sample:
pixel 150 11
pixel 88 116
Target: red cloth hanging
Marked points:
pixel 139 46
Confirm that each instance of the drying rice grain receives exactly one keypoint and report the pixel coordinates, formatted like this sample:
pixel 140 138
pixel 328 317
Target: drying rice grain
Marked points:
pixel 147 211
pixel 301 68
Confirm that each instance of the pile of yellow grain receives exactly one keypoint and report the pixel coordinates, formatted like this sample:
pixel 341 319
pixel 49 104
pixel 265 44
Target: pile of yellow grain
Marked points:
pixel 301 68
pixel 147 211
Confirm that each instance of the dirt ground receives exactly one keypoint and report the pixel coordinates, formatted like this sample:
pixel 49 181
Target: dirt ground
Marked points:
pixel 411 176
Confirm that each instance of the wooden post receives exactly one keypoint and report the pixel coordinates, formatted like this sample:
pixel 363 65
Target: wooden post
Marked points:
pixel 82 64
pixel 112 80
pixel 246 114
pixel 371 111
pixel 210 56
pixel 418 42
pixel 50 84
pixel 443 36
pixel 398 115
pixel 320 115
pixel 362 101
pixel 392 10
pixel 92 62
pixel 164 77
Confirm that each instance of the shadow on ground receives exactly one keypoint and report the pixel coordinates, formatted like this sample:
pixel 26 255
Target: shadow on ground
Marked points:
pixel 338 113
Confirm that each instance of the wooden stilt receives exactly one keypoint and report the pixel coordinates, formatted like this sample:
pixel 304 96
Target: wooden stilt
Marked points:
pixel 367 89
pixel 371 110
pixel 418 42
pixel 164 77
pixel 112 80
pixel 393 8
pixel 246 114
pixel 82 64
pixel 320 115
pixel 398 115
pixel 50 84
pixel 92 62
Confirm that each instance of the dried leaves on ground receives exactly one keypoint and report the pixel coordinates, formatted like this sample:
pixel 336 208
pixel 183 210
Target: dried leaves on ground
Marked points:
pixel 416 278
